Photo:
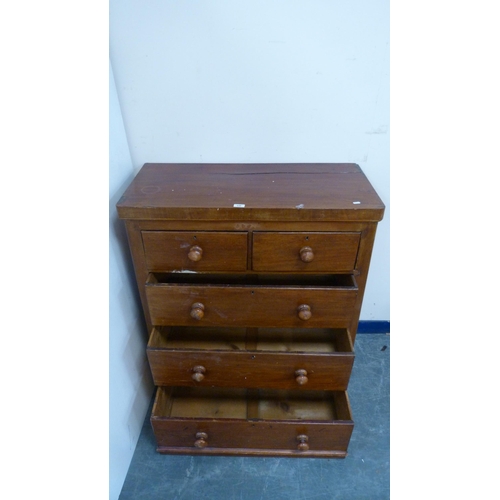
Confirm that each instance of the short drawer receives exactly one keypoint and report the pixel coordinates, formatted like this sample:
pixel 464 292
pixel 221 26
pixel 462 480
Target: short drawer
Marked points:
pixel 252 422
pixel 303 359
pixel 304 252
pixel 196 251
pixel 251 301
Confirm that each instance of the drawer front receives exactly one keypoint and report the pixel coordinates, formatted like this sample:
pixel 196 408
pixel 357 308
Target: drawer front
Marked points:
pixel 317 252
pixel 201 305
pixel 183 430
pixel 196 251
pixel 250 369
pixel 252 438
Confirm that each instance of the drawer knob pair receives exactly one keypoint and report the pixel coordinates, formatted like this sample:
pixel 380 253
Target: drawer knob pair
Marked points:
pixel 195 253
pixel 306 254
pixel 198 311
pixel 199 375
pixel 202 441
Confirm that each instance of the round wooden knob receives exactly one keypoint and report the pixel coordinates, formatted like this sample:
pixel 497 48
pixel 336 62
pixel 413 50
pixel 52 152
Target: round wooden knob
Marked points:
pixel 201 440
pixel 195 253
pixel 306 254
pixel 197 310
pixel 198 372
pixel 301 377
pixel 302 439
pixel 304 312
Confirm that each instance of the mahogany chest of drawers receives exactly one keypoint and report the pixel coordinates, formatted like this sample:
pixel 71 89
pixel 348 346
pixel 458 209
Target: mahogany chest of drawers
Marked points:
pixel 251 278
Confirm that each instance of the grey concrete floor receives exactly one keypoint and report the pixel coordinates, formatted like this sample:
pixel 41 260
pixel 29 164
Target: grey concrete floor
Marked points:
pixel 364 474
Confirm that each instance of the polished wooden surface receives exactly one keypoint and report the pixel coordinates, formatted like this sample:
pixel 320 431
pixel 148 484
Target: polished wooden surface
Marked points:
pixel 195 251
pixel 304 252
pixel 279 359
pixel 281 419
pixel 316 191
pixel 246 305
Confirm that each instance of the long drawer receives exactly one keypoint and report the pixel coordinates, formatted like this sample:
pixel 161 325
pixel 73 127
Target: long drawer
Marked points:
pixel 316 359
pixel 251 301
pixel 246 422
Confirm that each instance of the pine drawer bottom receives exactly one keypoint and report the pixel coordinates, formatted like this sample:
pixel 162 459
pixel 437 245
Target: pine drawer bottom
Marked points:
pixel 247 422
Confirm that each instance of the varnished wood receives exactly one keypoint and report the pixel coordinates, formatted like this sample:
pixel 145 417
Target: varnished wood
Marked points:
pixel 251 192
pixel 362 268
pixel 265 364
pixel 305 252
pixel 233 305
pixel 283 417
pixel 251 279
pixel 195 250
pixel 248 227
pixel 252 452
pixel 141 271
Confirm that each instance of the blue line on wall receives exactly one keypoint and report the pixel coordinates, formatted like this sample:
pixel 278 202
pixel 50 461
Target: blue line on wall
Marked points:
pixel 374 327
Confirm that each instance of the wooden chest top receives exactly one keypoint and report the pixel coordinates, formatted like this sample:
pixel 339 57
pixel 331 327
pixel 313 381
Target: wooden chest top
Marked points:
pixel 273 192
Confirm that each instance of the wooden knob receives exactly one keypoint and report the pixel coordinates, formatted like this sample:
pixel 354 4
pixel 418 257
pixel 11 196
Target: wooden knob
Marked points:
pixel 197 310
pixel 302 439
pixel 201 440
pixel 301 377
pixel 304 312
pixel 198 372
pixel 306 254
pixel 195 253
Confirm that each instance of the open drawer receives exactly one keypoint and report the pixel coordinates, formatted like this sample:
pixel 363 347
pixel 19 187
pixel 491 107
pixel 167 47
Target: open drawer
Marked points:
pixel 279 358
pixel 252 422
pixel 298 301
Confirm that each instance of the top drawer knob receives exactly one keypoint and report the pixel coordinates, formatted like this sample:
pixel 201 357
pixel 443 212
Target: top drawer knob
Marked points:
pixel 304 312
pixel 195 253
pixel 306 254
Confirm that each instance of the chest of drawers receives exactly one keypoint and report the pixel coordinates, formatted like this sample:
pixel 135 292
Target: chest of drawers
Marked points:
pixel 251 278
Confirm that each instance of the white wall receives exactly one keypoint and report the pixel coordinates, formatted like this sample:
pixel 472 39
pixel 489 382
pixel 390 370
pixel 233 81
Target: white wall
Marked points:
pixel 130 385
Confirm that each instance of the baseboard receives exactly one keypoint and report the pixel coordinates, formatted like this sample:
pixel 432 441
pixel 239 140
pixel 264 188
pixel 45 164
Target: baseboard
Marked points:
pixel 374 327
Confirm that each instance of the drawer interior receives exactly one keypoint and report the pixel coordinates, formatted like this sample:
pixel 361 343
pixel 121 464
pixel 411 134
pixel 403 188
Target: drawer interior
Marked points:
pixel 288 405
pixel 256 404
pixel 317 340
pixel 246 279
